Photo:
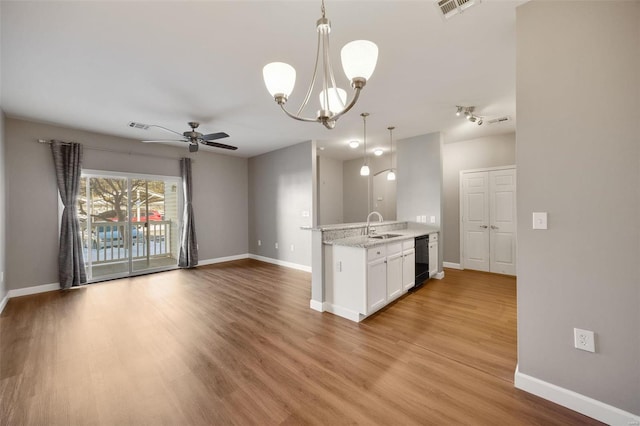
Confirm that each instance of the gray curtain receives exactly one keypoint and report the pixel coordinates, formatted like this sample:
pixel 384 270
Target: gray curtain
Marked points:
pixel 188 245
pixel 67 158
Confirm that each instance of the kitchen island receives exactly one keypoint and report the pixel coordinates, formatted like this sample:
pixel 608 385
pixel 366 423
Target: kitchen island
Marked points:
pixel 357 271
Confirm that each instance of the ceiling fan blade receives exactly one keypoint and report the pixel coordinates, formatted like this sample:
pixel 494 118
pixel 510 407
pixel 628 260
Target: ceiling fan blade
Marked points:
pixel 166 141
pixel 165 129
pixel 219 145
pixel 214 136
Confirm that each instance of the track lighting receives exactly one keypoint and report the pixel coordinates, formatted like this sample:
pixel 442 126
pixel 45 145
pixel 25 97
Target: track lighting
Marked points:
pixel 469 115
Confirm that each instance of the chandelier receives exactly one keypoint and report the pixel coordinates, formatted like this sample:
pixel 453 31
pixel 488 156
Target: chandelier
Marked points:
pixel 359 59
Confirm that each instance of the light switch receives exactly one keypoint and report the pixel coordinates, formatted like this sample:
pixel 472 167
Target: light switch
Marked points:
pixel 539 220
pixel 423 218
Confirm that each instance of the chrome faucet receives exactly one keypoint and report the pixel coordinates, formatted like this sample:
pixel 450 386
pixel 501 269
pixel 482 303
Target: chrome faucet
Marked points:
pixel 369 219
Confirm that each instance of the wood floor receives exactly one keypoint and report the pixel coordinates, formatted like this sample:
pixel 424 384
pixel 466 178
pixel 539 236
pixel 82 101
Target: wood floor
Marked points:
pixel 236 343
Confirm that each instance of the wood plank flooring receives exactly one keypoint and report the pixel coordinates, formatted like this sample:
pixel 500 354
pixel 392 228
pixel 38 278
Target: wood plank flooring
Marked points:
pixel 236 344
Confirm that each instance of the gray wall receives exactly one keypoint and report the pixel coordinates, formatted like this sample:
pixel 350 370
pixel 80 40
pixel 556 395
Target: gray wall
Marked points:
pixel 219 197
pixel 491 151
pixel 420 177
pixel 280 190
pixel 355 190
pixel 3 228
pixel 578 159
pixel 419 180
pixel 330 190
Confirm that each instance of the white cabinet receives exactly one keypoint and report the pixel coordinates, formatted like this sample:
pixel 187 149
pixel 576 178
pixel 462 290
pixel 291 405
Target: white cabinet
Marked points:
pixel 433 255
pixel 394 271
pixel 366 279
pixel 376 286
pixel 408 269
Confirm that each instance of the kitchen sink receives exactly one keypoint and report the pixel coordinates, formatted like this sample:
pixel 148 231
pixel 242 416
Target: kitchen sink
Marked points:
pixel 384 236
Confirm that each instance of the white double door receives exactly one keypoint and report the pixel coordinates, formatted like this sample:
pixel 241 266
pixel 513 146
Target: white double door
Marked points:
pixel 488 220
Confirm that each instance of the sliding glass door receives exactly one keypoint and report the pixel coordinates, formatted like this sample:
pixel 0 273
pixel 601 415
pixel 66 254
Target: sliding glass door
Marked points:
pixel 129 223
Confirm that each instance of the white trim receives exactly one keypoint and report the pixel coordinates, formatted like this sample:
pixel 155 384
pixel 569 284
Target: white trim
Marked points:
pixel 33 290
pixel 281 262
pixel 316 306
pixel 343 312
pixel 577 402
pixel 4 302
pixel 451 265
pixel 489 169
pixel 439 275
pixel 222 259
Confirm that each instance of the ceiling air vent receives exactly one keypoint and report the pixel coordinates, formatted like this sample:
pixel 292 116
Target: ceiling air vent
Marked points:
pixel 138 125
pixel 450 8
pixel 499 120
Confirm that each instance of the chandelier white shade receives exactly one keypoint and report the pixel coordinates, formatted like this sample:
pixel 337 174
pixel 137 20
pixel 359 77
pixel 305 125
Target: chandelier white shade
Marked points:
pixel 359 60
pixel 279 78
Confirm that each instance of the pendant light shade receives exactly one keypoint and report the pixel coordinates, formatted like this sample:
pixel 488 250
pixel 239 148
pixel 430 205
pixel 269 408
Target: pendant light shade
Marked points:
pixel 359 59
pixel 337 99
pixel 279 78
pixel 391 175
pixel 364 170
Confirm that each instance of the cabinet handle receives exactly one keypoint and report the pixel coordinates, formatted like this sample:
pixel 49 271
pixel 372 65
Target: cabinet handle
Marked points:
pixel 483 226
pixel 494 227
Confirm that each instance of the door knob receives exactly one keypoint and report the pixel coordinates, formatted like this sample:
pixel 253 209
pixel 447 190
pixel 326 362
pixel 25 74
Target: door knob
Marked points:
pixel 483 226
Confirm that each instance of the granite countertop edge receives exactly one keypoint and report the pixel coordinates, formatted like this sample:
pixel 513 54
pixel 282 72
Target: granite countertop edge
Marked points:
pixel 363 241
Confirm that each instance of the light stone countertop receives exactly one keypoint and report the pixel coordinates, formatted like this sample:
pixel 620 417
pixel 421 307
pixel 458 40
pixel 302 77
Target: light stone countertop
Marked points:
pixel 341 226
pixel 366 242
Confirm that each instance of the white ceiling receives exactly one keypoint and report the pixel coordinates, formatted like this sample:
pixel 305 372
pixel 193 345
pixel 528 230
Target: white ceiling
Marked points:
pixel 96 65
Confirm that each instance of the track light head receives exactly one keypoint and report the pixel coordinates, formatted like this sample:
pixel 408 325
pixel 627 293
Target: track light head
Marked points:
pixel 472 118
pixel 480 122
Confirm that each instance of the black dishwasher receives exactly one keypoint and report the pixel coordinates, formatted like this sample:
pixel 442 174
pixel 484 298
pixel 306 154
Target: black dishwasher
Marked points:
pixel 422 260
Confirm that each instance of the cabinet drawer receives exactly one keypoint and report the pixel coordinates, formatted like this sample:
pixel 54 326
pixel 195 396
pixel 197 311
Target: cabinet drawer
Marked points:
pixel 394 248
pixel 433 237
pixel 406 245
pixel 376 253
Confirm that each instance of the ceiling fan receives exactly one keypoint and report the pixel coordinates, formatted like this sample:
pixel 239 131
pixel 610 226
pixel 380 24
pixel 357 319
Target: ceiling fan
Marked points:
pixel 192 137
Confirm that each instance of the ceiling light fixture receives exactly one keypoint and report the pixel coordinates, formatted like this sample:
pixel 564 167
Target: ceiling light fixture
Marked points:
pixel 392 174
pixel 359 59
pixel 354 144
pixel 364 170
pixel 468 113
pixel 378 152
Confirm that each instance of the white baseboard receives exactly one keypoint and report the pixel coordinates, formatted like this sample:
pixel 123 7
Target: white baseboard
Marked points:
pixel 451 265
pixel 577 402
pixel 316 306
pixel 281 262
pixel 342 312
pixel 4 301
pixel 223 259
pixel 439 275
pixel 33 290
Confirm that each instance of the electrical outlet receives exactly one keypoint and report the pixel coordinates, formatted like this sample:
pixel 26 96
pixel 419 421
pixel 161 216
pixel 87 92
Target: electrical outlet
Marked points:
pixel 423 218
pixel 432 219
pixel 259 243
pixel 276 245
pixel 418 218
pixel 584 340
pixel 292 248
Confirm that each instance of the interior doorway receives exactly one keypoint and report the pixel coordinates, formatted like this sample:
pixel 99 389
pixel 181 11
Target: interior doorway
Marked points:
pixel 488 220
pixel 129 223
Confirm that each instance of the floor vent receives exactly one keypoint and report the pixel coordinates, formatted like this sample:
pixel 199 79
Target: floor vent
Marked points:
pixel 138 125
pixel 499 120
pixel 450 8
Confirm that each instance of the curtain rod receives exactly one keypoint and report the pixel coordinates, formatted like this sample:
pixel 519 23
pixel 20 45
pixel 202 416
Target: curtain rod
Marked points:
pixel 48 142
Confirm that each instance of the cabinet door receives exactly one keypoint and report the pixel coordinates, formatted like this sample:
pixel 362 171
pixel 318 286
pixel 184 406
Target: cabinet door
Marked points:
pixel 433 258
pixel 394 276
pixel 408 269
pixel 376 285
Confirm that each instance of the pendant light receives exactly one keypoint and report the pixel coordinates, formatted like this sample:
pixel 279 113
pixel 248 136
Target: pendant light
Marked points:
pixel 364 170
pixel 391 175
